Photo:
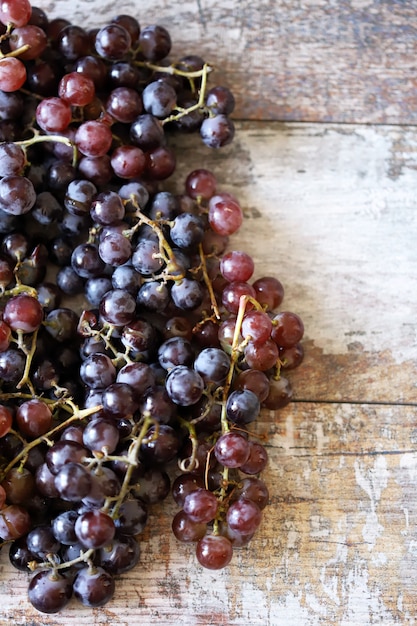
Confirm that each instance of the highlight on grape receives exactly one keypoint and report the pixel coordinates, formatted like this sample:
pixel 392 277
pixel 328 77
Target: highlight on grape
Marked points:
pixel 149 389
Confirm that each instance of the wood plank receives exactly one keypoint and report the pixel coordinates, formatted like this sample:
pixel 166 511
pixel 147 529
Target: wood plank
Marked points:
pixel 312 60
pixel 337 544
pixel 330 211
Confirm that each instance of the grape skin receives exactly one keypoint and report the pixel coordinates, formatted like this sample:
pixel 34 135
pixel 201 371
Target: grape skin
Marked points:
pixel 153 347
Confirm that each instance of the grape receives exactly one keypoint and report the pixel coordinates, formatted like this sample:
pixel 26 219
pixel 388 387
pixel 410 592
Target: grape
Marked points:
pixel 154 42
pixel 94 529
pixel 132 517
pixel 187 230
pixel 17 195
pixel 6 420
pixel 257 459
pixel 23 312
pixel 225 214
pixel 17 12
pixel 14 522
pixel 214 551
pixel 217 131
pixel 237 265
pixel 76 89
pixel 213 365
pixel 41 542
pixel 93 138
pixel 128 162
pixel 220 100
pixel 121 555
pixel 175 351
pixel 186 530
pixel 117 307
pixel 73 482
pixel 159 99
pixel 93 587
pixel 288 329
pixel 255 380
pixel 261 356
pixel 32 36
pixel 184 385
pixel 244 516
pixel 200 505
pixel 34 418
pixel 232 449
pixel 12 159
pixel 269 292
pixel 72 41
pixel 113 42
pixel 242 406
pixel 124 104
pixel 49 592
pixel 53 114
pixel 178 352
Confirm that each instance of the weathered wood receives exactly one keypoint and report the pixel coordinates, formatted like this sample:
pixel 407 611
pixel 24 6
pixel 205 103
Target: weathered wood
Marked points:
pixel 330 210
pixel 337 544
pixel 312 60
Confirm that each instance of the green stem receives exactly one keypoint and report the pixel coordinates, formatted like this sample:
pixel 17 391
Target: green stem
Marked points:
pixel 132 461
pixel 208 282
pixel 76 417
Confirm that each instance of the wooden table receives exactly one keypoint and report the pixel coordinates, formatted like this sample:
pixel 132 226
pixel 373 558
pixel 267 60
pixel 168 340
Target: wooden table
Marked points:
pixel 324 163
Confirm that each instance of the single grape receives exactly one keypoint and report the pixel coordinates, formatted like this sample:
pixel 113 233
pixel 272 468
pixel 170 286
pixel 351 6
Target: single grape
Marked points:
pixel 94 529
pixel 201 505
pixel 214 551
pixel 76 89
pixel 93 586
pixel 112 42
pixel 17 12
pixel 232 449
pixel 29 35
pixel 49 592
pixel 186 530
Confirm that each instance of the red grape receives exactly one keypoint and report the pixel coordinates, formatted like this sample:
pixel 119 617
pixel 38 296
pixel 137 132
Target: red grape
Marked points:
pixel 12 74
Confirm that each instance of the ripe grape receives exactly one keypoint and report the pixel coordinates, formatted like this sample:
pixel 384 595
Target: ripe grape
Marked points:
pixel 12 74
pixel 17 12
pixel 179 350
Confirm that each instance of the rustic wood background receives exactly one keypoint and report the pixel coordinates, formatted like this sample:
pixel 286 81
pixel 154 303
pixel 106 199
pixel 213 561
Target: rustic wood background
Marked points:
pixel 324 163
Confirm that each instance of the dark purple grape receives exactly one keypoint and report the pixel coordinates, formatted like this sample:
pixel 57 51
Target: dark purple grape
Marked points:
pixel 184 385
pixel 49 592
pixel 113 42
pixel 121 555
pixel 242 406
pixel 93 586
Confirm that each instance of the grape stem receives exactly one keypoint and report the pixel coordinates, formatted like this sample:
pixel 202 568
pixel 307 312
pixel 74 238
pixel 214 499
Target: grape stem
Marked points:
pixel 165 250
pixel 190 463
pixel 235 351
pixel 132 461
pixel 38 138
pixel 29 354
pixel 77 416
pixel 207 282
pixel 180 112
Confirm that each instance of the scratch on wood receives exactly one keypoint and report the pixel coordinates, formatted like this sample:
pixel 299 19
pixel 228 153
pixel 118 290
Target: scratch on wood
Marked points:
pixel 201 14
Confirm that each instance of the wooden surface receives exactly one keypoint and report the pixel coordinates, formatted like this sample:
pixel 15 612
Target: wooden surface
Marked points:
pixel 331 211
pixel 294 60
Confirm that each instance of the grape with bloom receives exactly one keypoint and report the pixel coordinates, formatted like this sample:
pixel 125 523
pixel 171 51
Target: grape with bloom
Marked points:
pixel 137 347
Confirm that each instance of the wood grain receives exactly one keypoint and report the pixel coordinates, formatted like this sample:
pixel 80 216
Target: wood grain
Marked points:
pixel 311 60
pixel 330 210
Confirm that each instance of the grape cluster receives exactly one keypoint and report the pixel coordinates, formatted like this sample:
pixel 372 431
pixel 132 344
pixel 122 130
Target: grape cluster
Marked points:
pixel 135 348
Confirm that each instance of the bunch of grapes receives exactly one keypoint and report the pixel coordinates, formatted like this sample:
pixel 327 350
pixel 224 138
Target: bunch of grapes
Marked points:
pixel 135 352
